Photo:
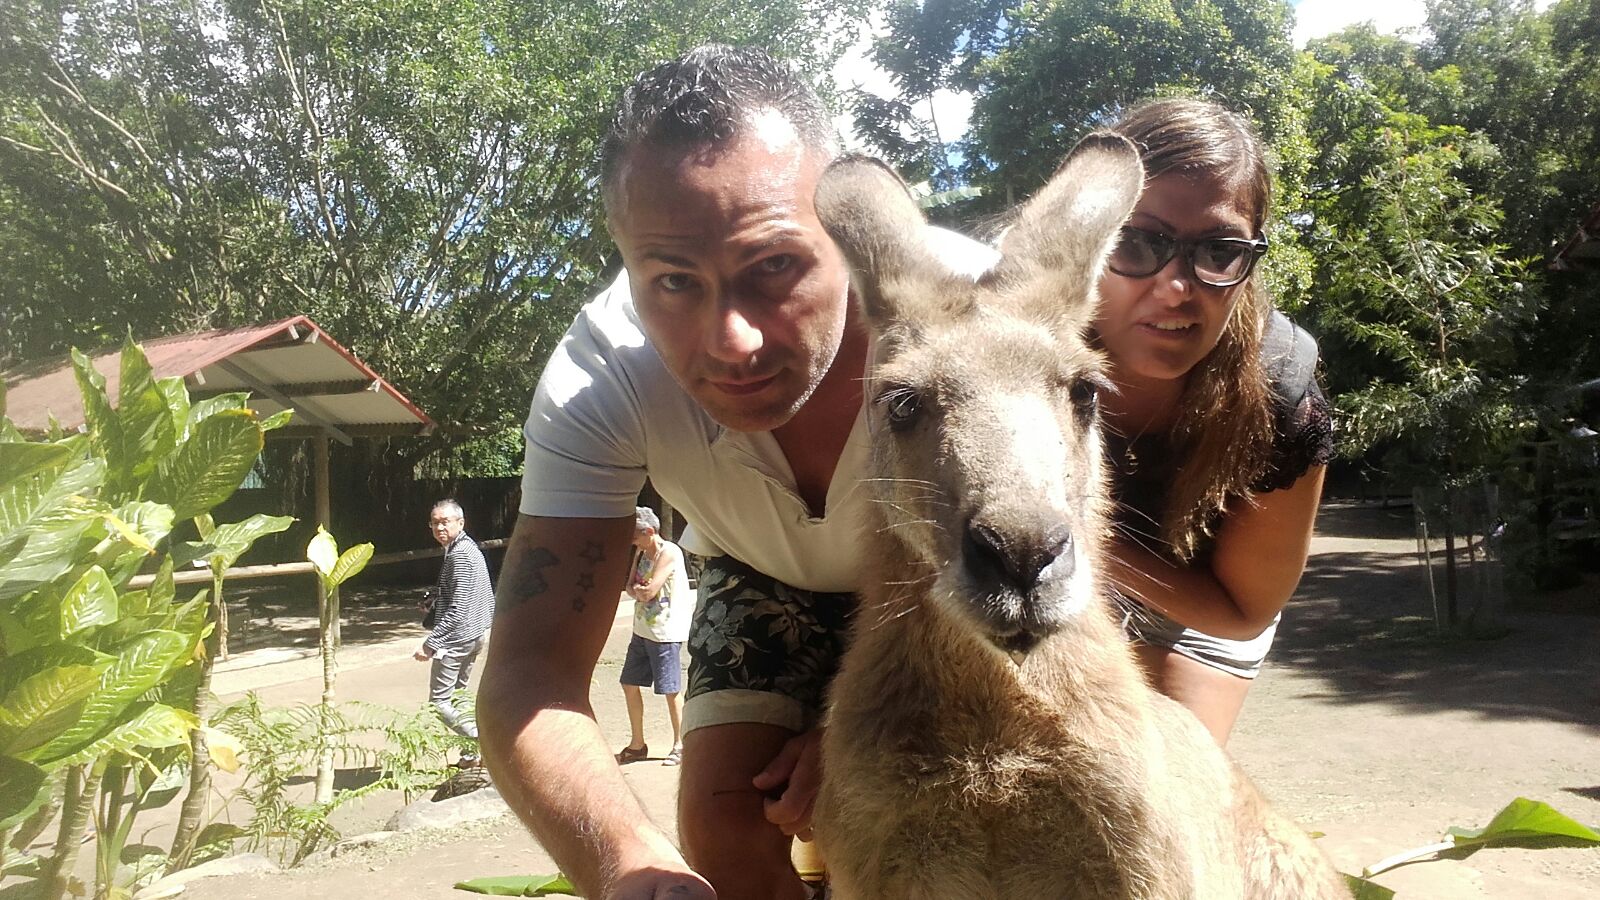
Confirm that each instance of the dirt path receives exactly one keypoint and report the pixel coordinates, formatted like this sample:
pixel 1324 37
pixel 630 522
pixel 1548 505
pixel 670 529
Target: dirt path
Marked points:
pixel 1364 727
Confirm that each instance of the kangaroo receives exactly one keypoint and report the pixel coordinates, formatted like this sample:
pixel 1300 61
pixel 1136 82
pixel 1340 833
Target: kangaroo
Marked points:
pixel 990 734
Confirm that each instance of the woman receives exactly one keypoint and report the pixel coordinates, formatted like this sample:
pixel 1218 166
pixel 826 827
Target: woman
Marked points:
pixel 1218 434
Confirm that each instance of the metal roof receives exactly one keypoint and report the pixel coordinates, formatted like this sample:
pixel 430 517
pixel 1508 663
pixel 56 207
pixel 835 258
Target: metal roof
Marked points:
pixel 290 363
pixel 1582 251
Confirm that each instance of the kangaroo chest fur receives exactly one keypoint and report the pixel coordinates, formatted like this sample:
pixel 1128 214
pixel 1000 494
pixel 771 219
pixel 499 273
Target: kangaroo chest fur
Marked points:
pixel 948 776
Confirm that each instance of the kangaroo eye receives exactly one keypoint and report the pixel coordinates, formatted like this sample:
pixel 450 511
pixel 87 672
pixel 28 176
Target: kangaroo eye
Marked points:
pixel 901 406
pixel 1084 392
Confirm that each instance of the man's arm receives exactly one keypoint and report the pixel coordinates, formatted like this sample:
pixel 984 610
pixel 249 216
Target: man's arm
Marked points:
pixel 555 607
pixel 446 608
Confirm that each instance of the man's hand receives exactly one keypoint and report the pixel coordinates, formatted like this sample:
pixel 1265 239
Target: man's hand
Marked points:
pixel 661 884
pixel 422 654
pixel 798 770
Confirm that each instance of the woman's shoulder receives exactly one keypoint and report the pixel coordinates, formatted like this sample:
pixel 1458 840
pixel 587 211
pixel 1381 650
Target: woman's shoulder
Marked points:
pixel 1302 421
pixel 1289 358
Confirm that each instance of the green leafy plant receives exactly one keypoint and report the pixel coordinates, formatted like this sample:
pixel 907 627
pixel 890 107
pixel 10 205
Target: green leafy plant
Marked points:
pixel 333 569
pixel 279 744
pixel 98 679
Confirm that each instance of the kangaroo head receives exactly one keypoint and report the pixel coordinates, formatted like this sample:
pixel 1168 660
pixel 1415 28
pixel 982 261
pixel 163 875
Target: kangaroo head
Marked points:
pixel 983 394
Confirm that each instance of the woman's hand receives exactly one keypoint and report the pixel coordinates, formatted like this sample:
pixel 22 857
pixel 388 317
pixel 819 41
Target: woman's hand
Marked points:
pixel 797 769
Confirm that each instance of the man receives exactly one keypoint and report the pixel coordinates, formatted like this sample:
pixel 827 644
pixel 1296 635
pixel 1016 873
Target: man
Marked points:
pixel 726 365
pixel 662 605
pixel 463 606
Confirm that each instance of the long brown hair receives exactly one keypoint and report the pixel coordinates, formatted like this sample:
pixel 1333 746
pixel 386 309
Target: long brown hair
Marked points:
pixel 1222 439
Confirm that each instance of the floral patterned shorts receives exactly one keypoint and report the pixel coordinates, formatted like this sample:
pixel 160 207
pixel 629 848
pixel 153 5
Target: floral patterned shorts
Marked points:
pixel 760 650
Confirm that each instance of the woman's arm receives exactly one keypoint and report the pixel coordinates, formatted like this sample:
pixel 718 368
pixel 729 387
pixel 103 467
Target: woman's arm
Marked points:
pixel 1257 559
pixel 667 560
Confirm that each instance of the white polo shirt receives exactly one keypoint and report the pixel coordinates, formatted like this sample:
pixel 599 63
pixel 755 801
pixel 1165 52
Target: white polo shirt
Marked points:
pixel 607 413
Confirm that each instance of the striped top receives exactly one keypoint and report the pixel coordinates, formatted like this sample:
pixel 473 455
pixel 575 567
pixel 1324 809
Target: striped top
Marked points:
pixel 465 604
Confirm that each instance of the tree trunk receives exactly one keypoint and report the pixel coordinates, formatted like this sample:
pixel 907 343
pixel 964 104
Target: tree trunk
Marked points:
pixel 1450 601
pixel 222 621
pixel 79 800
pixel 194 802
pixel 330 672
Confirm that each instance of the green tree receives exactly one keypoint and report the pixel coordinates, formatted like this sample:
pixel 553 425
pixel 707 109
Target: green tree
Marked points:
pixel 1045 74
pixel 418 176
pixel 1425 286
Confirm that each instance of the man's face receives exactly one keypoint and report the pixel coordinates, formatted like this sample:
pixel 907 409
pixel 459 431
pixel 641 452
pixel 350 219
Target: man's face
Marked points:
pixel 445 525
pixel 737 285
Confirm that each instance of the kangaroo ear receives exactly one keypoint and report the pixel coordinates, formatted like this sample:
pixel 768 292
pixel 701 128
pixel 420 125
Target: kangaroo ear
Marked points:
pixel 1054 251
pixel 870 214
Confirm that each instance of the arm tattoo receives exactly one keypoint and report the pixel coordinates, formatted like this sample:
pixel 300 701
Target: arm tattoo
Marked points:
pixel 527 580
pixel 593 554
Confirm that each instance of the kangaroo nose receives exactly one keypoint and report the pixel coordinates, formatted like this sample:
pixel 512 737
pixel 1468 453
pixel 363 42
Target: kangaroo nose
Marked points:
pixel 1018 561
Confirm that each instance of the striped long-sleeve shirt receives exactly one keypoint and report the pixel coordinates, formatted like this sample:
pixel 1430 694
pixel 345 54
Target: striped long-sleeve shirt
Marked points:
pixel 465 601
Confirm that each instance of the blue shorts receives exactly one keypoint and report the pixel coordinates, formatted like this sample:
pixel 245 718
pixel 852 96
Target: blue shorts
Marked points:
pixel 653 663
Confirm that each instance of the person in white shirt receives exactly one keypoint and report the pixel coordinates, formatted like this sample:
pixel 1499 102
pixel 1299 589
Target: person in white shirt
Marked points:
pixel 725 364
pixel 662 605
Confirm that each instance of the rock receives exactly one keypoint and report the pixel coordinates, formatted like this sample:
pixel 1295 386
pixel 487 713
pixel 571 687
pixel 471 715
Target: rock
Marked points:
pixel 482 804
pixel 362 840
pixel 174 884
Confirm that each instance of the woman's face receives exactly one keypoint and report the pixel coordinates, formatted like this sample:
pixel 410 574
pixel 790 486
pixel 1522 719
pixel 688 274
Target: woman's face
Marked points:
pixel 1160 326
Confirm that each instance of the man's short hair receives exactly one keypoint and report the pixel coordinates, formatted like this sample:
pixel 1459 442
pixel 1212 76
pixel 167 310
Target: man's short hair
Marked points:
pixel 645 517
pixel 449 506
pixel 705 97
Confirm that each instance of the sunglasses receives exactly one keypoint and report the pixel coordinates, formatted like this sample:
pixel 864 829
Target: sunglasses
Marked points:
pixel 1218 262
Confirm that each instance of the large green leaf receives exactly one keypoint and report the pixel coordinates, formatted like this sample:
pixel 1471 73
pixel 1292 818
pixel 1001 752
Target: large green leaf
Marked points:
pixel 45 498
pixel 519 885
pixel 149 522
pixel 50 512
pixel 208 467
pixel 205 409
pixel 18 461
pixel 1523 823
pixel 350 564
pixel 91 601
pixel 105 430
pixel 323 552
pixel 43 705
pixel 140 665
pixel 277 420
pixel 177 399
pixel 190 618
pixel 26 789
pixel 146 421
pixel 233 539
pixel 151 725
pixel 1362 889
pixel 163 589
pixel 19 667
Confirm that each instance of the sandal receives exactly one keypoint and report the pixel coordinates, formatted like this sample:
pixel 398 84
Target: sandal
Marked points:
pixel 632 754
pixel 674 758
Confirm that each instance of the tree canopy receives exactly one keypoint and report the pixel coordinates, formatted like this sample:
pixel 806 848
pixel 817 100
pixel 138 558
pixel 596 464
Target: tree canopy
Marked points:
pixel 416 175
